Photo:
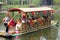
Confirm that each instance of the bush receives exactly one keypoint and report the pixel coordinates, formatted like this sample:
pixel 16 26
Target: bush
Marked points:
pixel 2 15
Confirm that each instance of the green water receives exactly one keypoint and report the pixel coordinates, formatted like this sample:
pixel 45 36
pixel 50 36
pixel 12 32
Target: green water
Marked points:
pixel 52 33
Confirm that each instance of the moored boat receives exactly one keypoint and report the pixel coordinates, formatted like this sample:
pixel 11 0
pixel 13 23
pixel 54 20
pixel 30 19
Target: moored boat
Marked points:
pixel 31 19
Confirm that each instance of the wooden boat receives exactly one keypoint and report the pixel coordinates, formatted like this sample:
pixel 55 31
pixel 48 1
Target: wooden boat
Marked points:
pixel 3 34
pixel 35 19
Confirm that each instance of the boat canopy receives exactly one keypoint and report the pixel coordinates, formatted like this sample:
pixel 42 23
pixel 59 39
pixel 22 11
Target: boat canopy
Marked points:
pixel 31 9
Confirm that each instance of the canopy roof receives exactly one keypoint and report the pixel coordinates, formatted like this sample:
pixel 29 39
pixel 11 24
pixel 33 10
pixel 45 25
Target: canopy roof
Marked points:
pixel 31 9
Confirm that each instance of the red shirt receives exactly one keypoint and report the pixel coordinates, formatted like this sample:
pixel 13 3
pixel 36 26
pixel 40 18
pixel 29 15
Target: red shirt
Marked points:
pixel 12 23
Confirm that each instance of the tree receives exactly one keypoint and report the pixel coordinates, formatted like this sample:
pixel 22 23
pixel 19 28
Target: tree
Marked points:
pixel 22 2
pixel 56 2
pixel 6 1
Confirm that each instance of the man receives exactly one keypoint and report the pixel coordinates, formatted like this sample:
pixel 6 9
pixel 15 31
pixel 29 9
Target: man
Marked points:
pixel 5 21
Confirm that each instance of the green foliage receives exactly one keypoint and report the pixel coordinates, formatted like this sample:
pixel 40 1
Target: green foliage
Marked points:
pixel 1 0
pixel 36 2
pixel 56 12
pixel 2 15
pixel 56 2
pixel 5 7
pixel 13 2
pixel 10 6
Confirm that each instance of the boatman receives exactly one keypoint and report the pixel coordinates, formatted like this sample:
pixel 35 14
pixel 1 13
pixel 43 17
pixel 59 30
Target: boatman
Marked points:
pixel 5 21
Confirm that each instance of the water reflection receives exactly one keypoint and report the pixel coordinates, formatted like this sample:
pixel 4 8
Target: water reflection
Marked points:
pixel 7 38
pixel 1 38
pixel 17 38
pixel 46 34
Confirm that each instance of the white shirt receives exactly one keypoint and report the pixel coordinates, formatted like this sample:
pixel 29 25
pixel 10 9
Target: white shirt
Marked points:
pixel 18 26
pixel 23 21
pixel 7 19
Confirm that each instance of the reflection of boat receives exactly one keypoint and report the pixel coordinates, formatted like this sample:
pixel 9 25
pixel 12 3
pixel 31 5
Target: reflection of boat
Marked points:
pixel 46 34
pixel 32 19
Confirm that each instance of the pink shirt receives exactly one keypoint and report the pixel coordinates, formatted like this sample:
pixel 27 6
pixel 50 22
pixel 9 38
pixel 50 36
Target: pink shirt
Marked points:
pixel 12 23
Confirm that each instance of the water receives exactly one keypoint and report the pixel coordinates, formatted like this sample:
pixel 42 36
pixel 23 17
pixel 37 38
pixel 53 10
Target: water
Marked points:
pixel 52 33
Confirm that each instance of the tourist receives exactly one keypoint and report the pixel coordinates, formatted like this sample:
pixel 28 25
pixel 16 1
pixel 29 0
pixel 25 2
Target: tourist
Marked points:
pixel 18 26
pixel 12 22
pixel 5 21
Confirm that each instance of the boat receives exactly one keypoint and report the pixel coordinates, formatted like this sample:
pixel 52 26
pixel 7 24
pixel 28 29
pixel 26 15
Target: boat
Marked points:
pixel 34 19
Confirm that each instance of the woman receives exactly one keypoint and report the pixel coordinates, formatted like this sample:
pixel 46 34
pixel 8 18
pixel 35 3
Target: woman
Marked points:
pixel 18 26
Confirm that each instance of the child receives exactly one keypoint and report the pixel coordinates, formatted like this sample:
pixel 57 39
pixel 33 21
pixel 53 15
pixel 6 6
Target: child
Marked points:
pixel 18 26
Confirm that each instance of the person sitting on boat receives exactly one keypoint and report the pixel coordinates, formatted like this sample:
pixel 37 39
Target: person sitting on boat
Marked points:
pixel 6 20
pixel 11 26
pixel 18 27
pixel 23 18
pixel 11 22
pixel 31 24
pixel 45 19
pixel 40 21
